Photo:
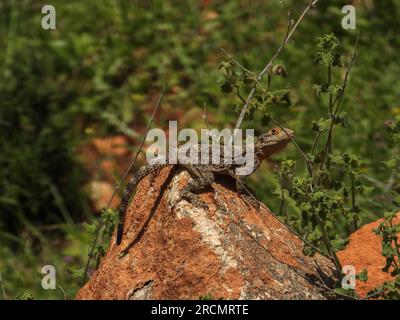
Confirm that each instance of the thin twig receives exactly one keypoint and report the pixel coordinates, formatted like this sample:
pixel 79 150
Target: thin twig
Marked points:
pixel 282 204
pixel 93 246
pixel 374 294
pixel 315 142
pixel 205 117
pixel 273 214
pixel 325 237
pixel 60 202
pixel 133 162
pixel 376 182
pixel 331 252
pixel 353 200
pixel 323 285
pixel 391 181
pixel 239 95
pixel 267 209
pixel 237 62
pixel 286 39
pixel 63 291
pixel 2 288
pixel 11 36
pixel 296 145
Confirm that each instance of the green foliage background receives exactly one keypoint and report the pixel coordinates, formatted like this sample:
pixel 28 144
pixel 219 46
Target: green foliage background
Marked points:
pixel 98 73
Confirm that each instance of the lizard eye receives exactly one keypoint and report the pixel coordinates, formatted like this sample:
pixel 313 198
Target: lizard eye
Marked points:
pixel 275 131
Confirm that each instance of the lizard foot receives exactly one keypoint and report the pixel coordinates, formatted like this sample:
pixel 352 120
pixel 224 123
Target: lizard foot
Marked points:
pixel 194 199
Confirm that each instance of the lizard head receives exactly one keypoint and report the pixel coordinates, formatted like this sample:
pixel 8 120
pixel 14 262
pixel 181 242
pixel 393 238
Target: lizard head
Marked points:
pixel 273 141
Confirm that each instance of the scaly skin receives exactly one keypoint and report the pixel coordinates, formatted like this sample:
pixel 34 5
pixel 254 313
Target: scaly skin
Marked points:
pixel 203 174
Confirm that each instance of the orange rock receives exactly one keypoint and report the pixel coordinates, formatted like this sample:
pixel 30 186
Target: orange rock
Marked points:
pixel 111 145
pixel 364 251
pixel 100 192
pixel 105 159
pixel 173 250
pixel 211 15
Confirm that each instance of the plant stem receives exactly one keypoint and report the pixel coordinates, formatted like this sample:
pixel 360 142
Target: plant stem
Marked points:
pixel 274 215
pixel 330 137
pixel 397 249
pixel 353 200
pixel 2 288
pixel 315 142
pixel 309 167
pixel 328 245
pixel 282 201
pixel 269 81
pixel 288 35
pixel 63 291
pixel 237 62
pixel 12 30
pixel 338 101
pixel 205 116
pixel 140 147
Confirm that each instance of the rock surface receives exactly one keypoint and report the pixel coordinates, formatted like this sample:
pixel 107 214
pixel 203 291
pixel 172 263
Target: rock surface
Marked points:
pixel 173 250
pixel 364 251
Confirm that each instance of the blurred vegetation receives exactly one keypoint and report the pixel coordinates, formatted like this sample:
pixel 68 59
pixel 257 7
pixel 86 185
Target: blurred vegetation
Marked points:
pixel 100 71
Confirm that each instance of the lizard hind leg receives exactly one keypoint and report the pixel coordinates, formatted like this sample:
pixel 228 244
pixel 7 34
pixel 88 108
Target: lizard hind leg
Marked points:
pixel 202 178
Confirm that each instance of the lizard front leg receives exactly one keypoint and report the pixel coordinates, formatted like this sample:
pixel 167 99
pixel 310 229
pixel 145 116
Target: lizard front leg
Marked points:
pixel 241 187
pixel 241 179
pixel 202 177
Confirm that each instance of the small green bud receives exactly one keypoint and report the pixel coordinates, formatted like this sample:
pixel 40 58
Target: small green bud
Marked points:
pixel 279 70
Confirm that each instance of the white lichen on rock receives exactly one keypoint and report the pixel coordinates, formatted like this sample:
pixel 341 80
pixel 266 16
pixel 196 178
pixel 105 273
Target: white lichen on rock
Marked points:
pixel 211 234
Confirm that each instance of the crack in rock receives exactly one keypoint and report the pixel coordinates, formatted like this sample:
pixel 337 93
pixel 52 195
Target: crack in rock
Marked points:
pixel 141 293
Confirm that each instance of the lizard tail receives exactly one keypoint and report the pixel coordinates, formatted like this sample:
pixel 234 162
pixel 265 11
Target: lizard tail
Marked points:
pixel 142 172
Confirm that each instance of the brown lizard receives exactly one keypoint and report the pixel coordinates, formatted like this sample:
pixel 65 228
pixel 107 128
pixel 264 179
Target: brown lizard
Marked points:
pixel 203 174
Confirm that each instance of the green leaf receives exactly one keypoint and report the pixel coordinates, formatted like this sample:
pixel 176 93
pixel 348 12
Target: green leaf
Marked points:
pixel 338 243
pixel 279 70
pixel 317 88
pixel 25 295
pixel 362 275
pixel 327 51
pixel 76 273
pixel 226 87
pixel 322 125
